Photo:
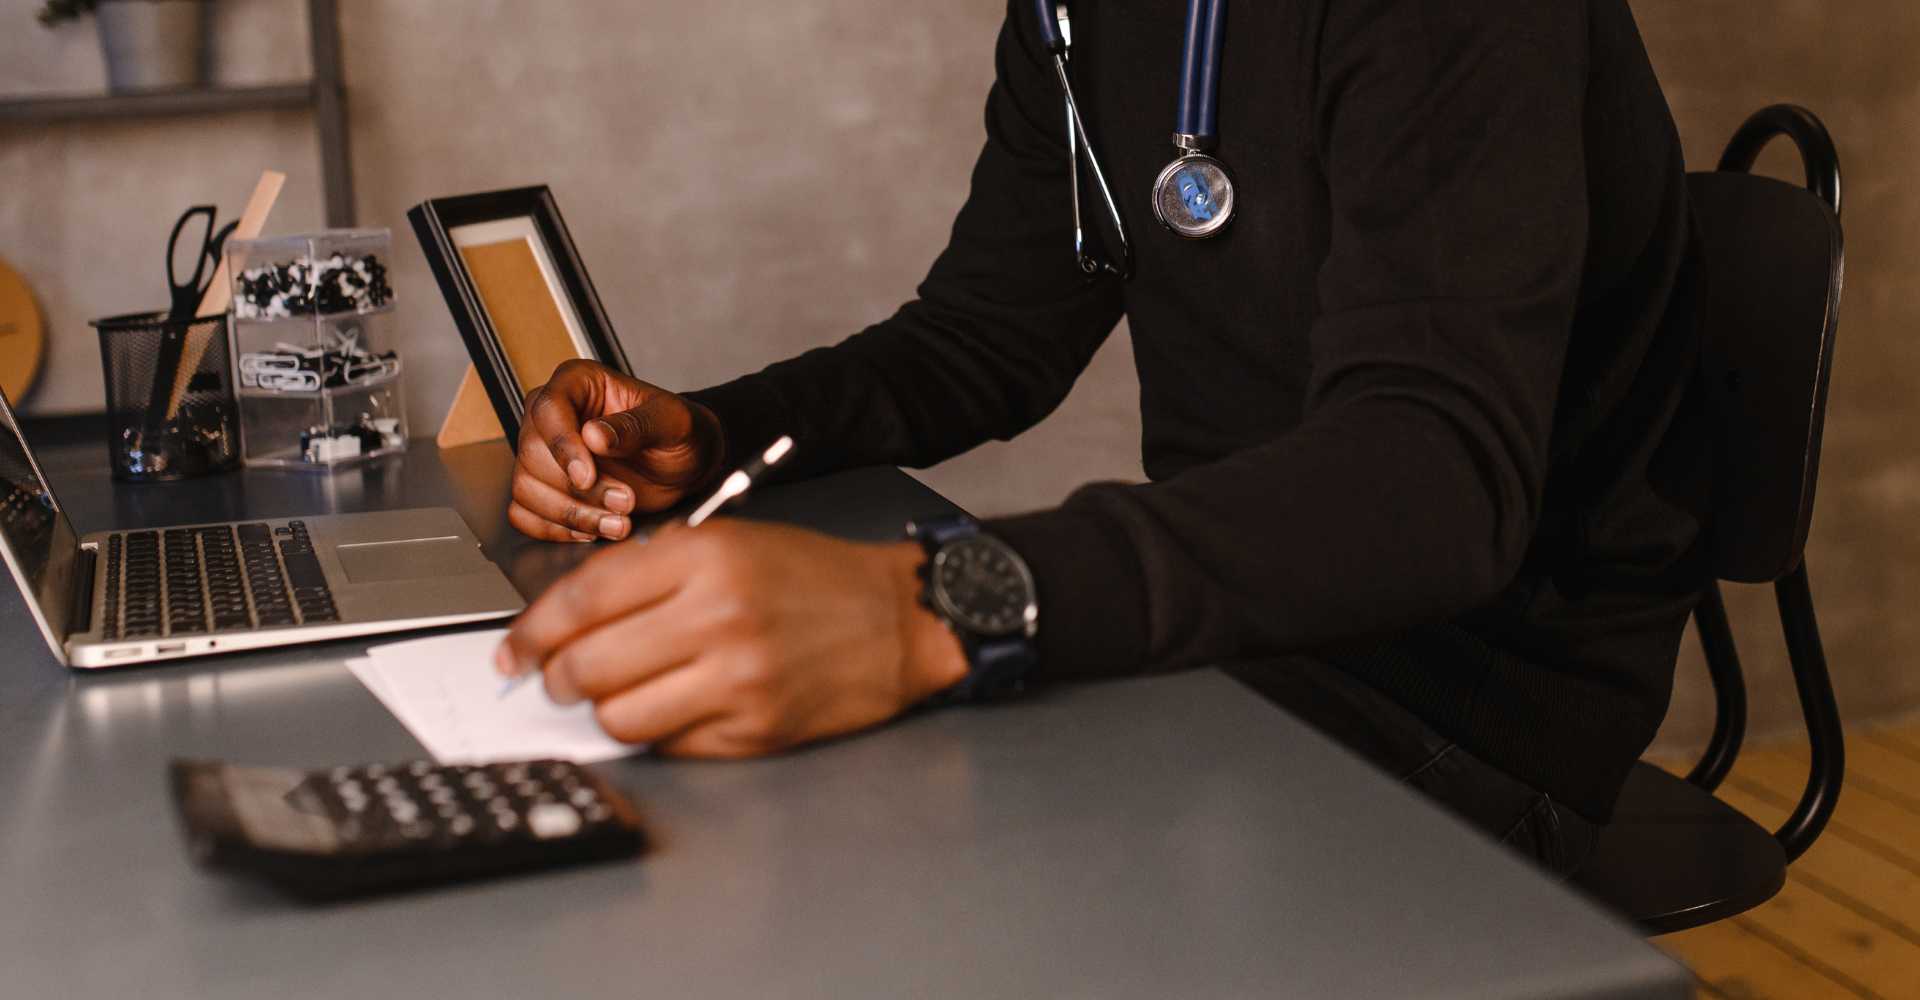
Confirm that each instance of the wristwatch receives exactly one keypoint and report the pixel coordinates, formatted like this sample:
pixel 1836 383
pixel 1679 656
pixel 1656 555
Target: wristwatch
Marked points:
pixel 984 591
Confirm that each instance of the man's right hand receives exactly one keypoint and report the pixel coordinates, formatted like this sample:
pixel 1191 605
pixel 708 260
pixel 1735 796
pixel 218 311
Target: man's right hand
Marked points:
pixel 596 446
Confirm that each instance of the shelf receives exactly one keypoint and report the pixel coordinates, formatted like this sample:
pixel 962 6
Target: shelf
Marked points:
pixel 158 103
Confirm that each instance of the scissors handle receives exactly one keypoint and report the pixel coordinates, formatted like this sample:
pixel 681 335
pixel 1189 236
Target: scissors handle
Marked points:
pixel 186 294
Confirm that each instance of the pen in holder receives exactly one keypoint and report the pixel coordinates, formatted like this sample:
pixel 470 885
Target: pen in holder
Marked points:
pixel 143 358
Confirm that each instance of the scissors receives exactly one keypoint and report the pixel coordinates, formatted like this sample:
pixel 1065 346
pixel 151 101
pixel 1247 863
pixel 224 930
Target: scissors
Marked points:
pixel 206 262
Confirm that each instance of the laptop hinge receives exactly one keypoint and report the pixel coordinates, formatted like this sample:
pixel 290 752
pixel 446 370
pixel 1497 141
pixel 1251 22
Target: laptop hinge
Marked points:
pixel 81 619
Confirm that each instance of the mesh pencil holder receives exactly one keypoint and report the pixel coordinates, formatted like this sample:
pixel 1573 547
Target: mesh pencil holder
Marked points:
pixel 174 424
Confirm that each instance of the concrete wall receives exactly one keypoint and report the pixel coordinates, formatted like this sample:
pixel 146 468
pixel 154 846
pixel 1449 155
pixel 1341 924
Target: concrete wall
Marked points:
pixel 1856 65
pixel 769 176
pixel 744 184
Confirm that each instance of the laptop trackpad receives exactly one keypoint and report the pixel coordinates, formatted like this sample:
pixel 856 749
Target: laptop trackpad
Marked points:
pixel 412 559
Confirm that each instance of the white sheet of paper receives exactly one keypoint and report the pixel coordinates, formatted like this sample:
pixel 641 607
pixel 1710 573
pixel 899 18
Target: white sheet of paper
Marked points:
pixel 444 690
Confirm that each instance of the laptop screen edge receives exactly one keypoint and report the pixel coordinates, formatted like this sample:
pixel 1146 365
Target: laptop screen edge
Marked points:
pixel 50 601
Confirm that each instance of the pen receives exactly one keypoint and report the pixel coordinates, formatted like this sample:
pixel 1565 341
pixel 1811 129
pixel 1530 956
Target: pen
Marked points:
pixel 732 488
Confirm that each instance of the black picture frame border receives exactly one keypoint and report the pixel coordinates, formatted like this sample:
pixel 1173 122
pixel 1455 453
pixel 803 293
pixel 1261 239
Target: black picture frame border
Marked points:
pixel 434 219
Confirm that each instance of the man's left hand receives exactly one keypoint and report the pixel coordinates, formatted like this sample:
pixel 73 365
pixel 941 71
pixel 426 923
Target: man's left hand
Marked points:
pixel 736 639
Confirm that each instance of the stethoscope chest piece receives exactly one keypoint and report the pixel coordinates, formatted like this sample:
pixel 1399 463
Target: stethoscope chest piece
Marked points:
pixel 1193 196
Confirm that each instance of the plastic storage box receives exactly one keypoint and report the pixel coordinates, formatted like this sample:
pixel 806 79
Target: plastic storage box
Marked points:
pixel 318 382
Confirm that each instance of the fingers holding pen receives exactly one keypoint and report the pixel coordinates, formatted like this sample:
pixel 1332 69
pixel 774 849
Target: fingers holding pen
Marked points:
pixel 618 581
pixel 625 652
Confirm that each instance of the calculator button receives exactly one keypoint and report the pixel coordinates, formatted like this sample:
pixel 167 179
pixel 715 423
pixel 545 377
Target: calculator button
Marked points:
pixel 552 819
pixel 582 797
pixel 460 825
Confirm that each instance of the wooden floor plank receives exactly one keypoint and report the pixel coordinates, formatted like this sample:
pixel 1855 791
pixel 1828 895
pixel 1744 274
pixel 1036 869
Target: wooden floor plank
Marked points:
pixel 1838 942
pixel 1904 737
pixel 1732 961
pixel 1886 827
pixel 1848 921
pixel 1842 870
pixel 1878 764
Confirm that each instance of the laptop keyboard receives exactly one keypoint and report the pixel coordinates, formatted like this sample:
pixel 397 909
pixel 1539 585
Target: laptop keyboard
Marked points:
pixel 220 578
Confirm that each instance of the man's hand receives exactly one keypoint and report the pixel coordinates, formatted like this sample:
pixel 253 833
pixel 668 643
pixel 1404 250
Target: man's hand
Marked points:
pixel 735 639
pixel 596 445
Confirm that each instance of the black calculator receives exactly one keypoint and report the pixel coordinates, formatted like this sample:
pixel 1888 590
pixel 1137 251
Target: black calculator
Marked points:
pixel 355 830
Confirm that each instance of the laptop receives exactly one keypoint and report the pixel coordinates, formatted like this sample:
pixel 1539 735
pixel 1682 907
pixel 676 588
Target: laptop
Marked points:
pixel 117 598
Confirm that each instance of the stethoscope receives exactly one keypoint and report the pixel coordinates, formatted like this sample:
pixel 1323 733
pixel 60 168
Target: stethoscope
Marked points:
pixel 1193 195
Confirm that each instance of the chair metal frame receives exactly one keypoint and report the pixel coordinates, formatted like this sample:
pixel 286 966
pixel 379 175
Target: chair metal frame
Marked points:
pixel 1792 592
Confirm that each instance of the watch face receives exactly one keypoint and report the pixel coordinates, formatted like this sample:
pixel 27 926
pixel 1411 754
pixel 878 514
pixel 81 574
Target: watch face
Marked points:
pixel 984 586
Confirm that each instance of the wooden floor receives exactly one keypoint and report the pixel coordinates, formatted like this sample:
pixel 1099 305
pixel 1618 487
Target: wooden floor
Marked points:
pixel 1848 922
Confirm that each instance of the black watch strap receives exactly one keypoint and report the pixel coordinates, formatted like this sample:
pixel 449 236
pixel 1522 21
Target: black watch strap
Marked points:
pixel 997 666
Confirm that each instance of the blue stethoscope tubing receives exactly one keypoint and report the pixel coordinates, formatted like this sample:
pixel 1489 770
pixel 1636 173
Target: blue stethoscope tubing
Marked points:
pixel 1199 61
pixel 1200 71
pixel 1196 185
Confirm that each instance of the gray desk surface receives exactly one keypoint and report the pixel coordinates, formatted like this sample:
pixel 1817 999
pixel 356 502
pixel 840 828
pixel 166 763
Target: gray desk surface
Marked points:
pixel 1172 837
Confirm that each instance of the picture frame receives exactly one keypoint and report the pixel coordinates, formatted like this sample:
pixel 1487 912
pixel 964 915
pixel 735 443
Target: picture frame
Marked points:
pixel 518 291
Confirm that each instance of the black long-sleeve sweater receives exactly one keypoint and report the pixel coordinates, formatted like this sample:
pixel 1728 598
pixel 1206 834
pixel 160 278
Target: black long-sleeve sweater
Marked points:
pixel 1420 409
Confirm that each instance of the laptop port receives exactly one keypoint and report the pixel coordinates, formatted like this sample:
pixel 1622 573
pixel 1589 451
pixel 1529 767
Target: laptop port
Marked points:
pixel 170 647
pixel 121 654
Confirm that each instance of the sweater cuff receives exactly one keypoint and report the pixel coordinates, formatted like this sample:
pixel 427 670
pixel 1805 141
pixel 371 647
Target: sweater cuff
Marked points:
pixel 751 415
pixel 1092 598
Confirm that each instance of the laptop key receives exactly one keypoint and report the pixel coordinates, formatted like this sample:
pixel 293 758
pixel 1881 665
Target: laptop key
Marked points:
pixel 303 568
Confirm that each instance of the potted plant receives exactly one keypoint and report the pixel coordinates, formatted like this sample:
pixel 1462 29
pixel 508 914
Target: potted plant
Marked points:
pixel 147 43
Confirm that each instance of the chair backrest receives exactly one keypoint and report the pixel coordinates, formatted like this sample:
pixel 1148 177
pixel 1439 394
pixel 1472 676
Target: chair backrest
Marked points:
pixel 1773 260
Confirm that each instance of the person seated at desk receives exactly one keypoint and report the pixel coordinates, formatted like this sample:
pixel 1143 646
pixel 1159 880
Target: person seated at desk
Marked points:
pixel 1423 466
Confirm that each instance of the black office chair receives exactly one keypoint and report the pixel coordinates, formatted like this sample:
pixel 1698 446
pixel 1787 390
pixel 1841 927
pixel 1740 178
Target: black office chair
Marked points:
pixel 1675 856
